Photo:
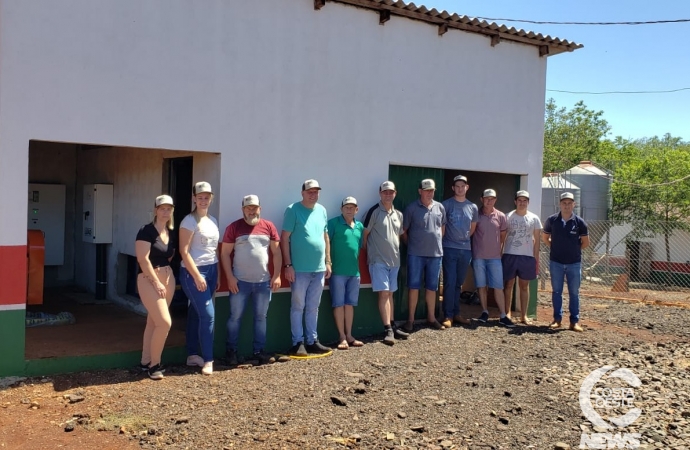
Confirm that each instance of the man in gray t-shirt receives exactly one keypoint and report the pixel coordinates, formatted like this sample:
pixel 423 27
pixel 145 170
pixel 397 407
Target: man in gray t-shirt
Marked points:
pixel 424 223
pixel 461 221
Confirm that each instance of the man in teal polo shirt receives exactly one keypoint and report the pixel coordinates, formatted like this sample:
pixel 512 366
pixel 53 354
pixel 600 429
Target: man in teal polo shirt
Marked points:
pixel 345 234
pixel 307 263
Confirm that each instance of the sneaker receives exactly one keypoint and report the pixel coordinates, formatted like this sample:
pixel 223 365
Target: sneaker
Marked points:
pixel 554 325
pixel 398 333
pixel 231 357
pixel 298 350
pixel 264 358
pixel 156 372
pixel 506 322
pixel 207 368
pixel 483 318
pixel 408 327
pixel 436 325
pixel 144 367
pixel 195 360
pixel 576 327
pixel 317 348
pixel 461 320
pixel 390 337
pixel 447 322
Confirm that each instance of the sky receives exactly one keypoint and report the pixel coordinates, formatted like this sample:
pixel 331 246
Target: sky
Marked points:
pixel 614 58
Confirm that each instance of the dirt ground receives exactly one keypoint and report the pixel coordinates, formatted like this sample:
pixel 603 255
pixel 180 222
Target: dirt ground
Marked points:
pixel 478 387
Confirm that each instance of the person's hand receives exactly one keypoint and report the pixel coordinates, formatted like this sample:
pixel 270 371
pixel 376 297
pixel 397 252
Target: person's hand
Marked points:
pixel 329 270
pixel 275 283
pixel 232 284
pixel 290 274
pixel 160 289
pixel 200 283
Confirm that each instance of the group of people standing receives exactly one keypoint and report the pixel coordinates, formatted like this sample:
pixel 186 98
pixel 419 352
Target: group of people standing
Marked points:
pixel 310 249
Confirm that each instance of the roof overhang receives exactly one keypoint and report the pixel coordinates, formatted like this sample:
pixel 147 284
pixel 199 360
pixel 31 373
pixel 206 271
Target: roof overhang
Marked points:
pixel 444 20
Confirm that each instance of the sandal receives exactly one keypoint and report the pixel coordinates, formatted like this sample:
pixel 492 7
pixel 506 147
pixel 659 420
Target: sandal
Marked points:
pixel 343 345
pixel 355 343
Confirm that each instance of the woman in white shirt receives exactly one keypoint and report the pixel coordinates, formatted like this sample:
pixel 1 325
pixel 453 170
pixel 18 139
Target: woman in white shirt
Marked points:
pixel 198 245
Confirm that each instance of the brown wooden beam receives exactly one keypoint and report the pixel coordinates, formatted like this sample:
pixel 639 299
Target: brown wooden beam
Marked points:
pixel 384 16
pixel 442 29
pixel 543 50
pixel 374 5
pixel 495 40
pixel 318 4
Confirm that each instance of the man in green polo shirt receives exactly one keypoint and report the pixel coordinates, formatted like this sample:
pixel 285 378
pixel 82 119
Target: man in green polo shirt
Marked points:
pixel 345 234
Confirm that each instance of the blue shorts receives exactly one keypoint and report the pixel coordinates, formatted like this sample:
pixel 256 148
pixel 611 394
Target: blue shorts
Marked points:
pixel 383 278
pixel 521 266
pixel 344 290
pixel 427 266
pixel 488 272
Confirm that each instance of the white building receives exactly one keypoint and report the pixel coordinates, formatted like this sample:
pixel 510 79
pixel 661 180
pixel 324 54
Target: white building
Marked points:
pixel 254 97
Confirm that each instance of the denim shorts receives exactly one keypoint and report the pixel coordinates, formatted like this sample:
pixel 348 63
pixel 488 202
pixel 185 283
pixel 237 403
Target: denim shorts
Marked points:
pixel 488 272
pixel 383 278
pixel 428 267
pixel 344 290
pixel 521 266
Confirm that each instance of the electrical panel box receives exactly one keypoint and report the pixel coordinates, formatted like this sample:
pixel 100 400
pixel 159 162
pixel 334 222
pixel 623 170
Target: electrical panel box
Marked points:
pixel 47 214
pixel 98 214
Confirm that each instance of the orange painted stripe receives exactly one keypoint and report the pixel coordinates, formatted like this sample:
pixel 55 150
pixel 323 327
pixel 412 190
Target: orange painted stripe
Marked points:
pixel 13 274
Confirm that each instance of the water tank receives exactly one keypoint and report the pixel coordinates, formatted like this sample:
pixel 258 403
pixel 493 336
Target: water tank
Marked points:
pixel 552 186
pixel 595 190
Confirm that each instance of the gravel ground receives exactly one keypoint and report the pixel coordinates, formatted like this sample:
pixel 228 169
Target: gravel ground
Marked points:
pixel 483 387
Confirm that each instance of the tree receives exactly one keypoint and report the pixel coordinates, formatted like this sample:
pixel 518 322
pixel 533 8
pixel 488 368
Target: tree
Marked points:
pixel 571 136
pixel 650 189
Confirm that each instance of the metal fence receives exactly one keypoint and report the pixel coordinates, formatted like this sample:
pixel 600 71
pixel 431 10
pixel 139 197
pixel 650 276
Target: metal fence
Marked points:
pixel 649 263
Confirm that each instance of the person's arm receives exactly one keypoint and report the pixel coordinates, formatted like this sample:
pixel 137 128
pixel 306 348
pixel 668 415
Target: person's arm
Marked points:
pixel 473 226
pixel 504 233
pixel 226 251
pixel 546 239
pixel 535 250
pixel 142 250
pixel 185 243
pixel 365 236
pixel 329 265
pixel 584 242
pixel 287 260
pixel 277 265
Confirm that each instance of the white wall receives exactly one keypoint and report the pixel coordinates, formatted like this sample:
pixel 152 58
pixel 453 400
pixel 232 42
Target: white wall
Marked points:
pixel 283 92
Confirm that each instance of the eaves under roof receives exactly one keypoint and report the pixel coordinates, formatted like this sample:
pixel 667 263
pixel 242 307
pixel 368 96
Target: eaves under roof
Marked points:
pixel 547 45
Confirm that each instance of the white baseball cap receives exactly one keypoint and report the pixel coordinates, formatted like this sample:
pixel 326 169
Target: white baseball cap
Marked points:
pixel 310 184
pixel 427 185
pixel 201 187
pixel 387 186
pixel 349 201
pixel 164 200
pixel 489 193
pixel 250 200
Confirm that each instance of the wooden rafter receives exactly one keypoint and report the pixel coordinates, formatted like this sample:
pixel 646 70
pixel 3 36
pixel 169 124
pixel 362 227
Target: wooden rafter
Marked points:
pixel 495 40
pixel 384 16
pixel 442 29
pixel 318 4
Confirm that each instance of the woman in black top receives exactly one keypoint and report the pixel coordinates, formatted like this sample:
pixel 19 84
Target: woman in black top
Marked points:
pixel 156 282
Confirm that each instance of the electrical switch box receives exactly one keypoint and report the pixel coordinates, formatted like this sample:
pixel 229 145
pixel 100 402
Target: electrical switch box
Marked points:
pixel 47 214
pixel 97 214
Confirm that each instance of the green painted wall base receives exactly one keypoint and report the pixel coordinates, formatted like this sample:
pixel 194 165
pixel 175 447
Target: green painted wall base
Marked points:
pixel 12 342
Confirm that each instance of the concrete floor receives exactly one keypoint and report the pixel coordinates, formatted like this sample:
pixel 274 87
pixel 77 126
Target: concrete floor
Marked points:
pixel 101 328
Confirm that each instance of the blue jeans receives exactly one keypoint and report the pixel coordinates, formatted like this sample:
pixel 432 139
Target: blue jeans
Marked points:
pixel 573 274
pixel 306 297
pixel 261 296
pixel 455 264
pixel 201 313
pixel 427 268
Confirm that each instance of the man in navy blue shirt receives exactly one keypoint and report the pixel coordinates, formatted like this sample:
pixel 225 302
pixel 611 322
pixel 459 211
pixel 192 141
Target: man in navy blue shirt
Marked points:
pixel 566 234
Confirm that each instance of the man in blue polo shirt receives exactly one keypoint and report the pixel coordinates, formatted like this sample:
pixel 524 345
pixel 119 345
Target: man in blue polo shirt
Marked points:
pixel 424 222
pixel 566 234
